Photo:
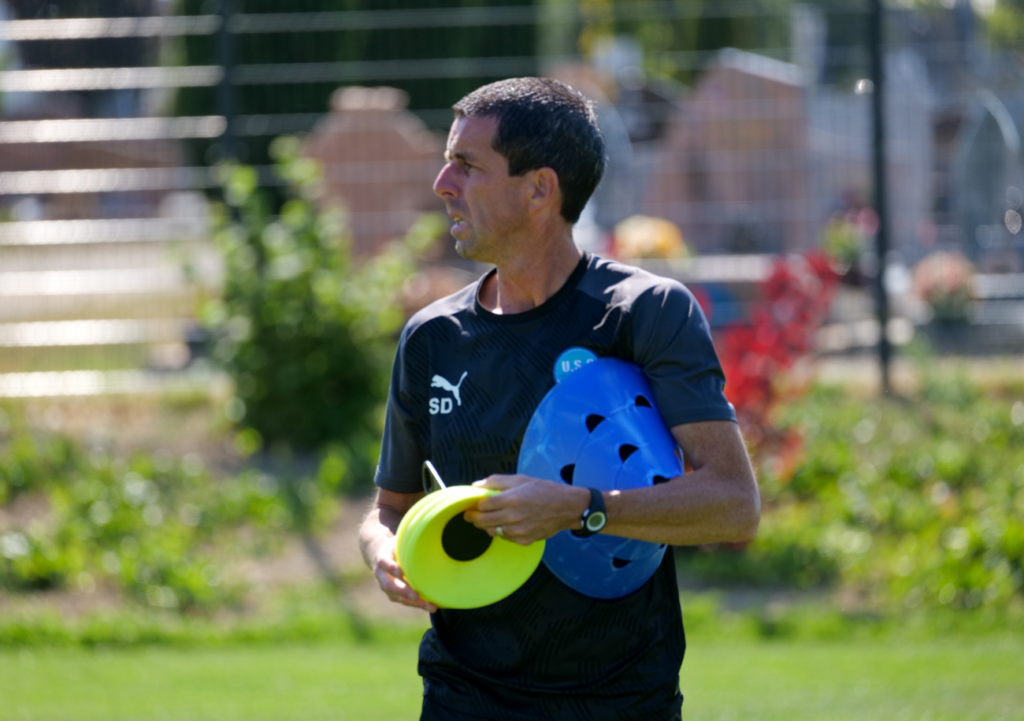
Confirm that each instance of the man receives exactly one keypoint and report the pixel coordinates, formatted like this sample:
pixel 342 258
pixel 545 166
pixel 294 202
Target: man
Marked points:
pixel 523 157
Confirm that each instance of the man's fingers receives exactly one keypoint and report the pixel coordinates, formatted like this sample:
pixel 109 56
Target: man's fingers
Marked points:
pixel 499 482
pixel 492 483
pixel 513 527
pixel 488 520
pixel 524 537
pixel 397 590
pixel 402 593
pixel 390 567
pixel 491 503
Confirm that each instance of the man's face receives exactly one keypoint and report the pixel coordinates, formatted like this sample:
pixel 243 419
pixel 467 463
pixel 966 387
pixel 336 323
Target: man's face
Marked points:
pixel 487 205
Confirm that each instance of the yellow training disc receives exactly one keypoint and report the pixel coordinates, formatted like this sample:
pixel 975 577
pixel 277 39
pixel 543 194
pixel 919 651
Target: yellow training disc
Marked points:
pixel 409 522
pixel 410 526
pixel 454 564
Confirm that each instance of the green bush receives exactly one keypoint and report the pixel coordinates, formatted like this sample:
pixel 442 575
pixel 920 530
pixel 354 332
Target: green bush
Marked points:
pixel 907 502
pixel 306 331
pixel 156 527
pixel 787 553
pixel 28 461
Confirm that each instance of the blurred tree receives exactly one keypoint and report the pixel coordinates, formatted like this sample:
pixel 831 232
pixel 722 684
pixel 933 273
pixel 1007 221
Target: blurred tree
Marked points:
pixel 340 46
pixel 1006 25
pixel 305 331
pixel 692 25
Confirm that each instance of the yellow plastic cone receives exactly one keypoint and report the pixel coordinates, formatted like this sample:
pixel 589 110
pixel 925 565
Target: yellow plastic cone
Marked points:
pixel 453 564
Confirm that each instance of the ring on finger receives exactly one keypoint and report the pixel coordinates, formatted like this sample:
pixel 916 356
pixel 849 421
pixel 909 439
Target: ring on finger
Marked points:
pixel 499 531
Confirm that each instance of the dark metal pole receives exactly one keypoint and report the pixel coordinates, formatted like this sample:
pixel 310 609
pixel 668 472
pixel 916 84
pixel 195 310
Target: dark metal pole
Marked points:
pixel 881 201
pixel 225 91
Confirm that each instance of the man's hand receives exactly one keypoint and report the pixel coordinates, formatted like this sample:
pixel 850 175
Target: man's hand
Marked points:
pixel 377 542
pixel 528 509
pixel 392 581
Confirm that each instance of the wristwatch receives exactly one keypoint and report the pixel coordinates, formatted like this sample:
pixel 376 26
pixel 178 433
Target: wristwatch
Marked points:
pixel 594 517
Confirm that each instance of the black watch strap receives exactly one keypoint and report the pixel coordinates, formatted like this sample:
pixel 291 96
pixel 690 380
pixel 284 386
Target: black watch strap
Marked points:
pixel 595 517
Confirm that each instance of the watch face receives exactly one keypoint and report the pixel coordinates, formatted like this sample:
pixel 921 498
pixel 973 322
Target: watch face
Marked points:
pixel 596 521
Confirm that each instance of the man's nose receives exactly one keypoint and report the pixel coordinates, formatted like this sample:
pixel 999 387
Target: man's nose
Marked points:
pixel 444 185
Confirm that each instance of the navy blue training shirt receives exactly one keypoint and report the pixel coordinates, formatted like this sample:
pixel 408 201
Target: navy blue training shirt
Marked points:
pixel 463 389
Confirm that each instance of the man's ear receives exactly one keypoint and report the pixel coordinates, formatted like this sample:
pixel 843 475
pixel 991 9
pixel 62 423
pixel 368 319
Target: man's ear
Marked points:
pixel 544 189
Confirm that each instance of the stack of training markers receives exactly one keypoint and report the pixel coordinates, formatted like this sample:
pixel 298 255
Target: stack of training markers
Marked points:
pixel 600 428
pixel 597 427
pixel 452 563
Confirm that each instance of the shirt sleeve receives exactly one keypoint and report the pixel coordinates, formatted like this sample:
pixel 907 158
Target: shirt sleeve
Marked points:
pixel 672 343
pixel 401 455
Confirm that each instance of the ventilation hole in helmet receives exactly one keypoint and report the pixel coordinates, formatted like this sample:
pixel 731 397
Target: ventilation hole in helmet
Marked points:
pixel 567 472
pixel 641 401
pixel 625 451
pixel 661 479
pixel 593 421
pixel 463 541
pixel 621 562
pixel 662 545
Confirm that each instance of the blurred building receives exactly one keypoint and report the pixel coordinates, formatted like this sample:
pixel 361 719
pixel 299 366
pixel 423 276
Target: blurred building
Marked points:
pixel 839 143
pixel 757 160
pixel 379 160
pixel 988 179
pixel 733 171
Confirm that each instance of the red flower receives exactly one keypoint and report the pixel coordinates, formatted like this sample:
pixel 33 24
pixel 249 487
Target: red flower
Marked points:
pixel 796 299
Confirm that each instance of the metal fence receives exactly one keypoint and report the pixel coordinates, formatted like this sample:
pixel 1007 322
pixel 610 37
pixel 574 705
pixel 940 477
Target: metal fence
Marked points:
pixel 752 152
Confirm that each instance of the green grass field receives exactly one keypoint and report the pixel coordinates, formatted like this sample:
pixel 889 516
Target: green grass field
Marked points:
pixel 757 680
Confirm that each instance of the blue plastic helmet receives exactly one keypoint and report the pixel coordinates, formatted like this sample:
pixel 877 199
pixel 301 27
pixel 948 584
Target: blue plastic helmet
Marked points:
pixel 599 428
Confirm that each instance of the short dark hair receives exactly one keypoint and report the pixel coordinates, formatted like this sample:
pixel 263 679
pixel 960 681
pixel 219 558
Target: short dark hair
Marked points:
pixel 543 123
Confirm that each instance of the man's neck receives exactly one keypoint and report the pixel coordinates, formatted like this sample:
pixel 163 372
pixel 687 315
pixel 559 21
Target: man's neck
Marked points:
pixel 527 280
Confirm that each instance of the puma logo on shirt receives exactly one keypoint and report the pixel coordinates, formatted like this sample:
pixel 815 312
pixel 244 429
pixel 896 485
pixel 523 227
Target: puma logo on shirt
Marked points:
pixel 444 405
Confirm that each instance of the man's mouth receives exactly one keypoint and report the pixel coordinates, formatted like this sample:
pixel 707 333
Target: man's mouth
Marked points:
pixel 458 221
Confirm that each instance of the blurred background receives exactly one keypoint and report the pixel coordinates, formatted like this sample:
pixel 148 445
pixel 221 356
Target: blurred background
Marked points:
pixel 747 125
pixel 215 217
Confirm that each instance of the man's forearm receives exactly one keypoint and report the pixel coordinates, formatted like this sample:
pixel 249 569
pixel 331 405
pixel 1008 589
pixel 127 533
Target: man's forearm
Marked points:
pixel 377 543
pixel 381 522
pixel 699 507
pixel 379 526
pixel 689 510
pixel 717 502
